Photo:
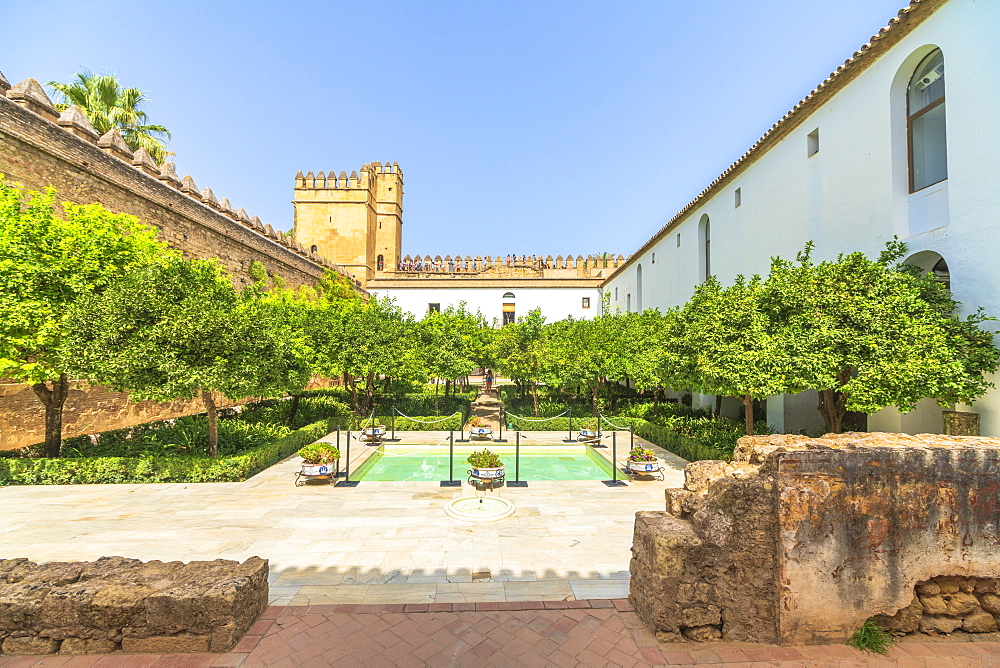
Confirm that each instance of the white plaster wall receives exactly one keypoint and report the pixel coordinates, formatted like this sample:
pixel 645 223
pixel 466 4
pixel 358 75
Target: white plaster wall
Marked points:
pixel 852 195
pixel 555 303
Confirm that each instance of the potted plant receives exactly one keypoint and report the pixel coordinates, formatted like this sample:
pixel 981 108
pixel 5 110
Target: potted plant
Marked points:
pixel 373 432
pixel 590 430
pixel 486 465
pixel 319 461
pixel 479 430
pixel 643 460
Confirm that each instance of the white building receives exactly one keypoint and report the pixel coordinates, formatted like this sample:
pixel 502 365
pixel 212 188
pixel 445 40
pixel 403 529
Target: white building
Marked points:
pixel 869 154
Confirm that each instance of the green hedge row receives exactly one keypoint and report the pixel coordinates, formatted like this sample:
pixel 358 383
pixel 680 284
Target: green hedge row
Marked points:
pixel 146 469
pixel 404 424
pixel 683 446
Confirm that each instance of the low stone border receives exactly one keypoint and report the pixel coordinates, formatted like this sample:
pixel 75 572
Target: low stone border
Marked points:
pixel 123 604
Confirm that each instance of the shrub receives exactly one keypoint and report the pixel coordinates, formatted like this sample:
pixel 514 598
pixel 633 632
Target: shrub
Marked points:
pixel 871 638
pixel 485 459
pixel 155 468
pixel 319 453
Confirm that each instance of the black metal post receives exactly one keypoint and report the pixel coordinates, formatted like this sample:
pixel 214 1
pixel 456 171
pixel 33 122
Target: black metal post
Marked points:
pixel 451 482
pixel 614 482
pixel 338 450
pixel 347 482
pixel 517 482
pixel 569 437
pixel 392 418
pixel 501 439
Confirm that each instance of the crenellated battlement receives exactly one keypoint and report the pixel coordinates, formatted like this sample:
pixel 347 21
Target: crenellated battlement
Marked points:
pixel 505 266
pixel 75 127
pixel 333 181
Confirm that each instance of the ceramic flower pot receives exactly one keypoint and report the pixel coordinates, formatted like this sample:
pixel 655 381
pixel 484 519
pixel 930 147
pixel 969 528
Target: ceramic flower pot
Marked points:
pixel 487 473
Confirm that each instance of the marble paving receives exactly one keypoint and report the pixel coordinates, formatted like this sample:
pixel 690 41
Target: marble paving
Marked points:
pixel 379 542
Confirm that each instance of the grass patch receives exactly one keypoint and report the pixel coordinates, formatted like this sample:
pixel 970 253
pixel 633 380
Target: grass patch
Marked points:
pixel 871 638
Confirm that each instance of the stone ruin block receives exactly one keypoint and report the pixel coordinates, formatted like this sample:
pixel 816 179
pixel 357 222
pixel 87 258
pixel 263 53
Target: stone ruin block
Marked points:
pixel 124 604
pixel 799 540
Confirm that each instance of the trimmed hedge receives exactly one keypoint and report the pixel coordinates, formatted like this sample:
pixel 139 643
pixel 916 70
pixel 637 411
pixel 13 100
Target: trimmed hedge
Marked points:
pixel 404 424
pixel 689 448
pixel 147 469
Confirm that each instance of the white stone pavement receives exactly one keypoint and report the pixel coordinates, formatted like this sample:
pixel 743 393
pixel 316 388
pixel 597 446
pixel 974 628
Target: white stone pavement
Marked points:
pixel 379 542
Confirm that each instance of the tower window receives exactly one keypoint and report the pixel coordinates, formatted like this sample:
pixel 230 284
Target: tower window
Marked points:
pixel 738 197
pixel 678 239
pixel 586 302
pixel 928 149
pixel 314 248
pixel 812 143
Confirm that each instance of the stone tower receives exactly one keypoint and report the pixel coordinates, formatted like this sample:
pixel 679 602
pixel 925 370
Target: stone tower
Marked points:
pixel 356 221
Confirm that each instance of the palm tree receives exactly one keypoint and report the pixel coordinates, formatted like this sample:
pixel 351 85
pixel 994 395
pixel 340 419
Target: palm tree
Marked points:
pixel 108 105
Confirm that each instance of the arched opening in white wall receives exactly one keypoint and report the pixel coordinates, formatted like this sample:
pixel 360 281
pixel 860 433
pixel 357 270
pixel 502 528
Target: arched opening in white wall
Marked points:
pixel 920 142
pixel 508 295
pixel 638 288
pixel 931 262
pixel 705 246
pixel 925 121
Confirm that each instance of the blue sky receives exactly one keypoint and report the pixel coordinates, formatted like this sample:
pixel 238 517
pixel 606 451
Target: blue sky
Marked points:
pixel 547 127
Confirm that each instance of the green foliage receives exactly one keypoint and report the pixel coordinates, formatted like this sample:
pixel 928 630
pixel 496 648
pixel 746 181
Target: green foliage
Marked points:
pixel 152 468
pixel 641 454
pixel 867 334
pixel 109 106
pixel 871 638
pixel 177 330
pixel 48 263
pixel 484 459
pixel 319 453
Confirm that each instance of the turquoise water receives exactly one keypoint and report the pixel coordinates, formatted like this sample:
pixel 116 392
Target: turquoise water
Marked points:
pixel 576 465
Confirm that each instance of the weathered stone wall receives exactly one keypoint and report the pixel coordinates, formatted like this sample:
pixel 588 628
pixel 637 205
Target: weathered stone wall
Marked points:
pixel 800 540
pixel 124 604
pixel 91 409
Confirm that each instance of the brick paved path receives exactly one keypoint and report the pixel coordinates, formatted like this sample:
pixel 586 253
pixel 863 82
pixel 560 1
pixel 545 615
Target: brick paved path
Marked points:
pixel 560 633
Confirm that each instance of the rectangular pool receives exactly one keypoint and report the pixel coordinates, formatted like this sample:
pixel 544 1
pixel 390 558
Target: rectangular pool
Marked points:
pixel 430 463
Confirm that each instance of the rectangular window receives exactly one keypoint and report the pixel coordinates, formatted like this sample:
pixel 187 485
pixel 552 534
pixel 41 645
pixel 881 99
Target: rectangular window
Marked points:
pixel 928 153
pixel 678 239
pixel 508 318
pixel 586 302
pixel 616 294
pixel 628 302
pixel 434 308
pixel 654 259
pixel 812 143
pixel 738 198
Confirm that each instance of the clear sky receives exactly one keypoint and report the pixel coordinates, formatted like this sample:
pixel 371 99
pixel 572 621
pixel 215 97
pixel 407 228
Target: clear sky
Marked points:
pixel 535 127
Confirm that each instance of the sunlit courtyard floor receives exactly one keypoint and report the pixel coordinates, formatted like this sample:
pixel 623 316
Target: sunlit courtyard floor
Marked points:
pixel 379 542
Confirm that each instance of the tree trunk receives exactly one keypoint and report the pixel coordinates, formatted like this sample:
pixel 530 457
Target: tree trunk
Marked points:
pixel 611 397
pixel 293 408
pixel 369 393
pixel 213 422
pixel 656 400
pixel 594 388
pixel 447 386
pixel 534 399
pixel 352 390
pixel 833 403
pixel 437 411
pixel 748 413
pixel 831 407
pixel 53 399
pixel 718 406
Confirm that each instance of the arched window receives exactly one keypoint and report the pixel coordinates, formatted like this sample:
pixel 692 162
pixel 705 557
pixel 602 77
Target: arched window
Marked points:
pixel 705 257
pixel 925 123
pixel 931 262
pixel 508 295
pixel 314 248
pixel 380 262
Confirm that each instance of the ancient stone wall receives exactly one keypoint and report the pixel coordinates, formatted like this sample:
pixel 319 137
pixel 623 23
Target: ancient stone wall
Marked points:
pixel 124 604
pixel 800 540
pixel 91 409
